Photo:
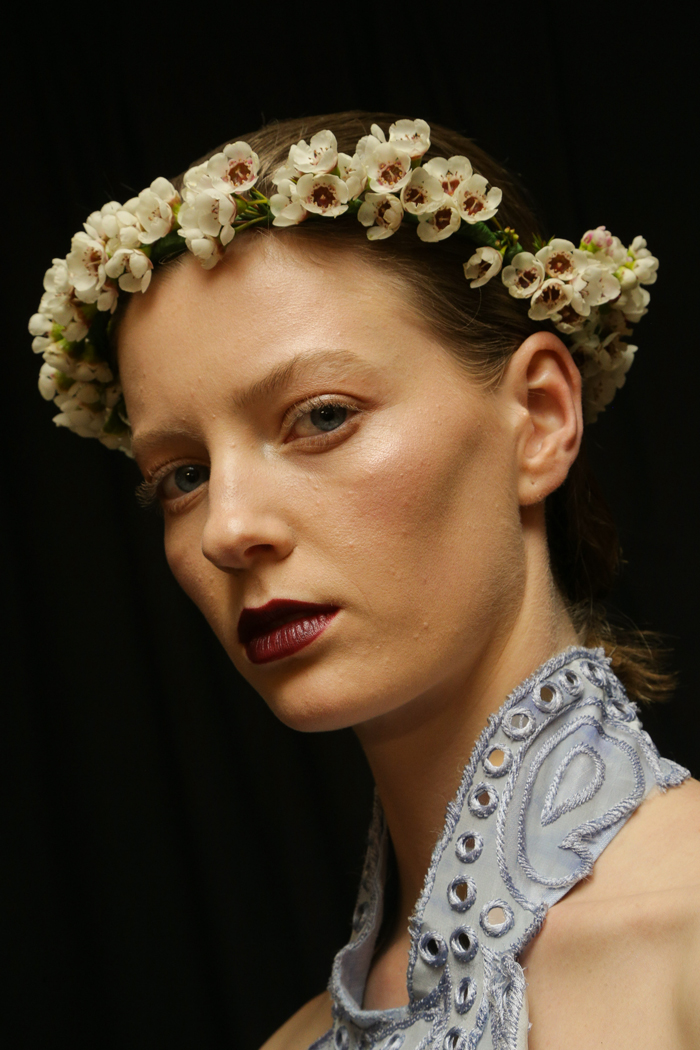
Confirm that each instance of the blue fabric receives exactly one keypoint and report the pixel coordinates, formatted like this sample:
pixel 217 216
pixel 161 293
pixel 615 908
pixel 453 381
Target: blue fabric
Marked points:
pixel 517 837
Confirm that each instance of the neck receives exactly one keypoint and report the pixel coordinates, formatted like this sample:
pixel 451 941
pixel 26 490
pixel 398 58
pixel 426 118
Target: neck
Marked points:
pixel 418 752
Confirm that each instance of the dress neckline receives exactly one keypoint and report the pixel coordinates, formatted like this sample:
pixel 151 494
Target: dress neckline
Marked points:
pixel 519 834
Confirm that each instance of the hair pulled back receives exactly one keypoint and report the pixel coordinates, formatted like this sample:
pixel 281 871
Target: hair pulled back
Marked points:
pixel 482 328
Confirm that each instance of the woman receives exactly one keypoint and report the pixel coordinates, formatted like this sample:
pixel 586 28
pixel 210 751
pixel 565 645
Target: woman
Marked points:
pixel 370 474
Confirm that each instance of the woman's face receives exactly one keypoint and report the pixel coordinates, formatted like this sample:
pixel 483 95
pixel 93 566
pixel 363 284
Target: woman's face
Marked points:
pixel 313 443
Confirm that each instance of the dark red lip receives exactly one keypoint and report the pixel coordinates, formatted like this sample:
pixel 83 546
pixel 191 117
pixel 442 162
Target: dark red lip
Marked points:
pixel 282 627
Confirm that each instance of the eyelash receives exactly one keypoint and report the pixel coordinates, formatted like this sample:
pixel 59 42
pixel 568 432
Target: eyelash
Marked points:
pixel 147 490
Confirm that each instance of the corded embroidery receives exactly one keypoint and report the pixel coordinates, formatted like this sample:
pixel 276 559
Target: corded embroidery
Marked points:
pixel 556 741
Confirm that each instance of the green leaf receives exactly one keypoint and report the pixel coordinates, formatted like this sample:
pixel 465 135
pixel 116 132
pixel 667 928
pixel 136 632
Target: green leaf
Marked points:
pixel 479 234
pixel 168 246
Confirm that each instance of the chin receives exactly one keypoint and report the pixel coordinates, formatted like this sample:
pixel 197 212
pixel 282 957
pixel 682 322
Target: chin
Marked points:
pixel 312 697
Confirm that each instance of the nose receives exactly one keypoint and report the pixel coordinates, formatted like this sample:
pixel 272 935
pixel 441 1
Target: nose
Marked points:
pixel 244 526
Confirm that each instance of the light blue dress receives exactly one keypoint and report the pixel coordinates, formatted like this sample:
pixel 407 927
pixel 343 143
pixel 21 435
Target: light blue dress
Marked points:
pixel 571 764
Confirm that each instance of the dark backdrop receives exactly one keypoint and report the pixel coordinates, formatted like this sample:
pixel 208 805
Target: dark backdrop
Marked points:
pixel 182 867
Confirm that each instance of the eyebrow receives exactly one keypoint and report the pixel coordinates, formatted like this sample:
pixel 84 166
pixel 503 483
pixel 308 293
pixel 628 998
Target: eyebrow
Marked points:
pixel 290 371
pixel 277 379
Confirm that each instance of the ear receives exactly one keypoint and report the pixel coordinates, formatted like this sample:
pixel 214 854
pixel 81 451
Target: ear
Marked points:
pixel 545 386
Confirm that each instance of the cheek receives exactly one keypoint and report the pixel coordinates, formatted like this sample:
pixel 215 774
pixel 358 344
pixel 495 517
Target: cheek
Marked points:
pixel 196 576
pixel 429 515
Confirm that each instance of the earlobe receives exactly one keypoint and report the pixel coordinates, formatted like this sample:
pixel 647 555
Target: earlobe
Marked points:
pixel 547 385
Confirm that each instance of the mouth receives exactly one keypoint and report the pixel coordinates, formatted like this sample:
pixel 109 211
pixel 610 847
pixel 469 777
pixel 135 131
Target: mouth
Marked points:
pixel 281 628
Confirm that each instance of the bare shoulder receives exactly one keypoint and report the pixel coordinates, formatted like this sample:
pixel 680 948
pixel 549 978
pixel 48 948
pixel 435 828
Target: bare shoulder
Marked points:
pixel 306 1026
pixel 633 925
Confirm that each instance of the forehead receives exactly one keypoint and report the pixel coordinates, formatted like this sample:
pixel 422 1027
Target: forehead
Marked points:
pixel 267 288
pixel 198 332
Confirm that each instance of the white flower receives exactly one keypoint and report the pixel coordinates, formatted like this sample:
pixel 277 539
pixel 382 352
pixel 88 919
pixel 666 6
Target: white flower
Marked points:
pixel 286 206
pixel 352 172
pixel 596 285
pixel 208 209
pixel 206 249
pixel 484 264
pixel 91 371
pixel 116 225
pixel 285 173
pixel 57 359
pixel 153 210
pixel 112 393
pixel 47 382
pixel 412 136
pixel 451 173
pixel 86 266
pixel 59 302
pixel 644 264
pixel 383 213
pixel 439 224
pixel 633 303
pixel 317 157
pixel 422 193
pixel 475 204
pixel 604 370
pixel 57 279
pixel 561 260
pixel 609 251
pixel 133 269
pixel 235 170
pixel 368 143
pixel 323 194
pixel 42 343
pixel 550 298
pixel 645 270
pixel 81 420
pixel 524 276
pixel 98 223
pixel 79 395
pixel 388 168
pixel 193 177
pixel 40 324
pixel 573 316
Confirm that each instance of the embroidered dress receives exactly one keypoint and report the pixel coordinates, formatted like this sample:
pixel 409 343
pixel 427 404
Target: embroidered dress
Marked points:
pixel 552 779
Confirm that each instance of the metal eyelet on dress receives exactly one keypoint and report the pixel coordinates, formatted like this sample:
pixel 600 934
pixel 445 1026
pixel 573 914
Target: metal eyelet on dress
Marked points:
pixel 518 724
pixel 493 769
pixel 456 1039
pixel 496 929
pixel 465 994
pixel 468 847
pixel 341 1038
pixel 461 893
pixel 464 943
pixel 547 698
pixel 433 949
pixel 483 800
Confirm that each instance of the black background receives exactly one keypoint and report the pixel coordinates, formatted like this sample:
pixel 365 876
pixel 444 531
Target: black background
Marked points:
pixel 182 867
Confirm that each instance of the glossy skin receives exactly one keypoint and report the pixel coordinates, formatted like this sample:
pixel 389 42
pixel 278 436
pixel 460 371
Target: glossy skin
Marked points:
pixel 407 516
pixel 378 478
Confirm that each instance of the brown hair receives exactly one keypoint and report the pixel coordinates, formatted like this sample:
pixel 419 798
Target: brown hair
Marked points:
pixel 482 328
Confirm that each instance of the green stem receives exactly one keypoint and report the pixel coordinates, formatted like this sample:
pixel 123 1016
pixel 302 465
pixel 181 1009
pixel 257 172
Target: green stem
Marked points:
pixel 252 222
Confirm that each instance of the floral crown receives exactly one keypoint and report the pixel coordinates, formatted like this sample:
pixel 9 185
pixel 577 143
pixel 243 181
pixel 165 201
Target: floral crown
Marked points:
pixel 592 293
